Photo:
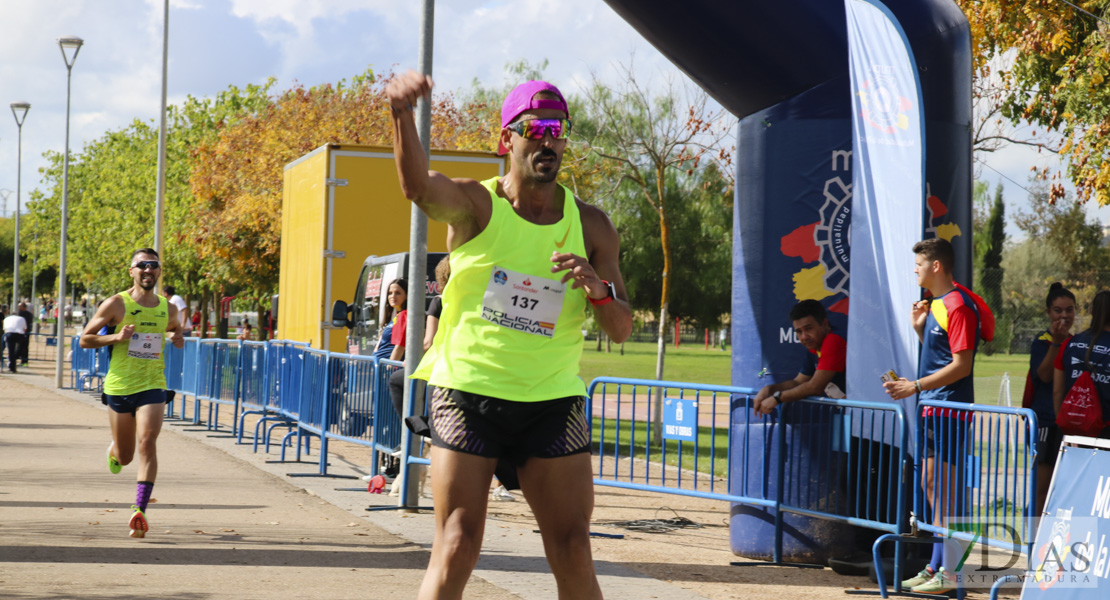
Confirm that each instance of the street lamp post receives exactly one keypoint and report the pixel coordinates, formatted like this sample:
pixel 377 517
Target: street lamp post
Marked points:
pixel 71 43
pixel 19 110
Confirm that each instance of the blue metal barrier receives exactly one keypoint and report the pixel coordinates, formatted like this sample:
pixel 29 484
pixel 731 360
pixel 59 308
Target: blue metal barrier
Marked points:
pixel 315 388
pixel 987 493
pixel 225 384
pixel 190 376
pixel 81 366
pixel 387 423
pixel 174 360
pixel 351 407
pixel 862 444
pixel 253 384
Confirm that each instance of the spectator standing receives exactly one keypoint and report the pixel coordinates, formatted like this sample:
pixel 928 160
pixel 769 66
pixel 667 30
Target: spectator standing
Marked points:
pixel 30 319
pixel 15 334
pixel 948 326
pixel 246 332
pixel 1060 309
pixel 183 315
pixel 1087 350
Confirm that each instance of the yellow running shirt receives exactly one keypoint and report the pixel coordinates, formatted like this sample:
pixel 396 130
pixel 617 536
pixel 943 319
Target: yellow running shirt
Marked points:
pixel 509 328
pixel 137 364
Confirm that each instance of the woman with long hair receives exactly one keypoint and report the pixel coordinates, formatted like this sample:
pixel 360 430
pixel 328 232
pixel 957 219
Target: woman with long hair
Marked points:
pixel 391 344
pixel 1060 309
pixel 1087 350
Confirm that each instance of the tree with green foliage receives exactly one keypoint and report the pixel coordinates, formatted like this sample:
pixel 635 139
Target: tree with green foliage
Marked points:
pixel 989 242
pixel 1064 226
pixel 648 132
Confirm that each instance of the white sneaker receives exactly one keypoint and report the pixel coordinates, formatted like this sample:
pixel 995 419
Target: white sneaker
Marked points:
pixel 503 495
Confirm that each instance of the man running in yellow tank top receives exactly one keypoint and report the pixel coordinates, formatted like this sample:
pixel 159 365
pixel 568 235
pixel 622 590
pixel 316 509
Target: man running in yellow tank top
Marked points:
pixel 136 323
pixel 527 260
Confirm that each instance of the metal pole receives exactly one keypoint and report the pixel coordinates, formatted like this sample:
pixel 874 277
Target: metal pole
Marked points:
pixel 18 186
pixel 34 276
pixel 60 322
pixel 418 259
pixel 160 200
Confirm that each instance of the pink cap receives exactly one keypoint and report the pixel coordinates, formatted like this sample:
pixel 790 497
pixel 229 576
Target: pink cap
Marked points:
pixel 521 99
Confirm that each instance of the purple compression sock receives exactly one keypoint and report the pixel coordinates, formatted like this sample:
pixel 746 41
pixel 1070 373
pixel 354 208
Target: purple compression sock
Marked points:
pixel 142 494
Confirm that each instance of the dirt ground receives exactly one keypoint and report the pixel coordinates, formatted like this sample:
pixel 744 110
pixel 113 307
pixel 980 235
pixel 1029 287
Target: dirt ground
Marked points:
pixel 695 559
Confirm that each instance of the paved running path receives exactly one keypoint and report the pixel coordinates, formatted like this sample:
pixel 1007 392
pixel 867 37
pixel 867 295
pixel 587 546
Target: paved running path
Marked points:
pixel 226 523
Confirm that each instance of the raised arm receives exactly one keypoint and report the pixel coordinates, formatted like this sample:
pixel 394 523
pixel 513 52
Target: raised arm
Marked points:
pixel 443 199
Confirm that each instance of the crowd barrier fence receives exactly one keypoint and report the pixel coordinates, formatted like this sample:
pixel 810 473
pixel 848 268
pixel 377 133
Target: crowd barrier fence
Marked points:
pixel 730 454
pixel 983 477
pixel 860 445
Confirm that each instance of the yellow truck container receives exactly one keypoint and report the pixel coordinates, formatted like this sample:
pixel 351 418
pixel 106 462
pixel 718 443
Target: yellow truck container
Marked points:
pixel 341 204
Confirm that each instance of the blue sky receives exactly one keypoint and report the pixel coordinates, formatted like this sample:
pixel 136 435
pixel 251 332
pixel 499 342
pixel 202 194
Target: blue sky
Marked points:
pixel 217 43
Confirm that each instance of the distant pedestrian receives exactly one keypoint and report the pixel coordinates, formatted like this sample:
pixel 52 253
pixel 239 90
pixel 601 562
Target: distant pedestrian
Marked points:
pixel 137 321
pixel 15 332
pixel 183 315
pixel 30 318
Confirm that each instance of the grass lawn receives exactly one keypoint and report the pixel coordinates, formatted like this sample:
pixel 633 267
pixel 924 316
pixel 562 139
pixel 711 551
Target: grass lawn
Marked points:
pixel 687 363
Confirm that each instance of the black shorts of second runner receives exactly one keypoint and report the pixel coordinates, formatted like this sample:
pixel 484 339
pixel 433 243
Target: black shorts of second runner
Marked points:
pixel 1048 443
pixel 516 431
pixel 131 402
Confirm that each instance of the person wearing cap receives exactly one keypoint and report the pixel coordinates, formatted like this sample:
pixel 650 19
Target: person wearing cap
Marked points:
pixel 527 261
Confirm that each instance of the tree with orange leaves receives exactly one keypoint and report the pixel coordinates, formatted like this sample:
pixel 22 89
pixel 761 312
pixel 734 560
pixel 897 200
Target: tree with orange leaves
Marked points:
pixel 1056 57
pixel 237 176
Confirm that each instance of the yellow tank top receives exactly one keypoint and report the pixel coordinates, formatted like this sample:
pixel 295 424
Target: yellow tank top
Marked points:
pixel 509 329
pixel 137 365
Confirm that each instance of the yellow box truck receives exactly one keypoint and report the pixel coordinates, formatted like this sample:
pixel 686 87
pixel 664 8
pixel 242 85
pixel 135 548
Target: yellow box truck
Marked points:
pixel 341 204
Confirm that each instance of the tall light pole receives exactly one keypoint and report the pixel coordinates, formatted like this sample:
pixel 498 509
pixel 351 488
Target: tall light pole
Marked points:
pixel 159 203
pixel 19 109
pixel 71 43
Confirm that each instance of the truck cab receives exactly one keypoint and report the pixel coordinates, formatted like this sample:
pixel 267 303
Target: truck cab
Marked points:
pixel 363 316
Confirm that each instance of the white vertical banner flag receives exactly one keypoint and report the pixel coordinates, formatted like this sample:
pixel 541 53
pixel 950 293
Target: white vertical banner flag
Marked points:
pixel 888 195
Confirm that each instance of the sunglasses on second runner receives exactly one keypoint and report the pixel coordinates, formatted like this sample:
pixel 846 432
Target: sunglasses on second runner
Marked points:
pixel 146 264
pixel 534 129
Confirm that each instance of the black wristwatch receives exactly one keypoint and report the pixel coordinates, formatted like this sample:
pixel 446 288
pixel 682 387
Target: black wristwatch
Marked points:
pixel 777 396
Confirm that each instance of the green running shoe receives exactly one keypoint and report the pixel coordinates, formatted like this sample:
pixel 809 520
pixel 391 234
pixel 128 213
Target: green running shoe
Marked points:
pixel 138 523
pixel 925 575
pixel 941 583
pixel 113 463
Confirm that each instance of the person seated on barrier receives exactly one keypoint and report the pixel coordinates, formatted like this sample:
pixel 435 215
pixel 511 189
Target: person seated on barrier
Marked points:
pixel 1060 309
pixel 948 326
pixel 528 259
pixel 1087 350
pixel 391 343
pixel 822 372
pixel 137 322
pixel 246 333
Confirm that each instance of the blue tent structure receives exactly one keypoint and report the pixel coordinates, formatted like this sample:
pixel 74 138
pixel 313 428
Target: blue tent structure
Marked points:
pixel 782 68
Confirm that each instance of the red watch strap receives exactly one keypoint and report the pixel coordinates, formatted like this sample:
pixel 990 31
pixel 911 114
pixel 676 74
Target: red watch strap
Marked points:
pixel 607 299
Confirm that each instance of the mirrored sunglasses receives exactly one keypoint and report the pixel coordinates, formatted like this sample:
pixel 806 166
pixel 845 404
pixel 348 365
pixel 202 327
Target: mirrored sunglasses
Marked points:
pixel 147 264
pixel 534 129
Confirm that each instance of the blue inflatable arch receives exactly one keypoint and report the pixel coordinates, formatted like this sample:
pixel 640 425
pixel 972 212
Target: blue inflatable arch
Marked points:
pixel 782 69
